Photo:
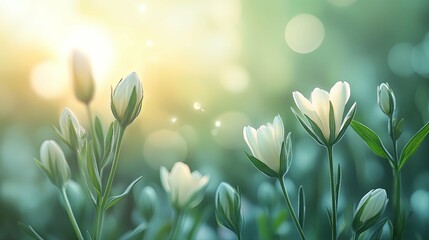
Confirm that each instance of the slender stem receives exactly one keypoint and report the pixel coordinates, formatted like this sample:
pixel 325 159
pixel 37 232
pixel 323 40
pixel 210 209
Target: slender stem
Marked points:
pixel 101 206
pixel 397 203
pixel 89 113
pixel 334 203
pixel 239 237
pixel 396 184
pixel 174 234
pixel 289 205
pixel 70 214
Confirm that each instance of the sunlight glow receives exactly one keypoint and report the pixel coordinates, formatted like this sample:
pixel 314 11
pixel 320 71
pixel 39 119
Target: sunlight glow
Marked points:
pixel 96 43
pixel 49 79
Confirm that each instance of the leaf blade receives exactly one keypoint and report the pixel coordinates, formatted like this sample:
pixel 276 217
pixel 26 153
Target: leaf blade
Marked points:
pixel 412 145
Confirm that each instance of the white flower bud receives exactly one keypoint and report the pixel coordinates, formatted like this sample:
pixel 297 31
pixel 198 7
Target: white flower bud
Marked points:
pixel 82 77
pixel 369 209
pixel 146 202
pixel 53 163
pixel 70 130
pixel 386 99
pixel 228 208
pixel 185 189
pixel 127 99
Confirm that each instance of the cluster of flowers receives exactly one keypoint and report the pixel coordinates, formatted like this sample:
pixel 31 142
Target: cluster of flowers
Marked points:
pixel 322 116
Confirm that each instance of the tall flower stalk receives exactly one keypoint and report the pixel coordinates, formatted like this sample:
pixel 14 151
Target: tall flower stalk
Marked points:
pixel 387 102
pixel 272 155
pixel 322 118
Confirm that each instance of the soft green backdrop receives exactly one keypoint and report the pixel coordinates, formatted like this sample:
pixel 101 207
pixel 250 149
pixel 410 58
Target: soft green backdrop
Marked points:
pixel 208 69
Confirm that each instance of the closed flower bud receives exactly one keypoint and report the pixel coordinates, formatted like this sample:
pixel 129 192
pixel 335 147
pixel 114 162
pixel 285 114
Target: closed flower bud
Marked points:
pixel 71 131
pixel 386 99
pixel 127 99
pixel 185 189
pixel 53 163
pixel 228 208
pixel 83 80
pixel 146 202
pixel 369 210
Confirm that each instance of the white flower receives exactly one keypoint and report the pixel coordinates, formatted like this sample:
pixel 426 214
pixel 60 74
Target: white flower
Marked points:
pixel 318 108
pixel 184 188
pixel 266 142
pixel 53 163
pixel 369 209
pixel 386 99
pixel 124 109
pixel 68 121
pixel 82 77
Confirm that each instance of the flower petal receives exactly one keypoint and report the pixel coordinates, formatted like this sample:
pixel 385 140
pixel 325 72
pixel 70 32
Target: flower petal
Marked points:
pixel 251 138
pixel 307 108
pixel 320 101
pixel 339 95
pixel 267 147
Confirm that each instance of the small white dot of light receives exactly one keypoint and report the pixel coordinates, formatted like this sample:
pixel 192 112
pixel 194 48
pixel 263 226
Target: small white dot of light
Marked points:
pixel 142 8
pixel 197 106
pixel 218 123
pixel 174 119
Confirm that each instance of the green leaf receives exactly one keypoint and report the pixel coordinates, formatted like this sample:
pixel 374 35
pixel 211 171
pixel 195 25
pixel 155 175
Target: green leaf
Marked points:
pixel 261 166
pixel 371 139
pixel 135 234
pixel 346 122
pixel 115 199
pixel 108 144
pixel 338 185
pixel 99 139
pixel 280 219
pixel 301 206
pixel 376 235
pixel 286 155
pixel 92 169
pixel 413 145
pixel 29 231
pixel 306 127
pixel 329 216
pixel 317 131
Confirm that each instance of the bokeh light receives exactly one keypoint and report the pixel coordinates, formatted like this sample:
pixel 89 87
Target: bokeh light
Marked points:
pixel 304 33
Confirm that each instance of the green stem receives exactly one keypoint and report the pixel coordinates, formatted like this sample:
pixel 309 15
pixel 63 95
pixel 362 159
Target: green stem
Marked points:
pixel 70 214
pixel 101 206
pixel 397 203
pixel 333 198
pixel 89 113
pixel 396 184
pixel 289 205
pixel 176 225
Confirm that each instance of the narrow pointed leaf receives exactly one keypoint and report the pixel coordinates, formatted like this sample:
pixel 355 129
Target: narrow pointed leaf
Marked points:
pixel 376 235
pixel 261 166
pixel 371 139
pixel 338 185
pixel 92 169
pixel 99 139
pixel 317 131
pixel 413 145
pixel 301 206
pixel 347 120
pixel 29 231
pixel 115 199
pixel 329 216
pixel 306 127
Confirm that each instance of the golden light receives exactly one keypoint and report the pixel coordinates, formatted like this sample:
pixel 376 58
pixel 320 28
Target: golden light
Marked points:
pixel 96 43
pixel 49 79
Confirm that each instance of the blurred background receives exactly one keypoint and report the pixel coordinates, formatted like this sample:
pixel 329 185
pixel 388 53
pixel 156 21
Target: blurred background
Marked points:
pixel 208 69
